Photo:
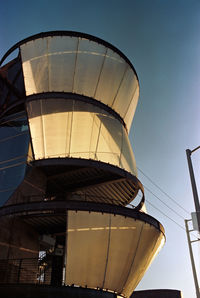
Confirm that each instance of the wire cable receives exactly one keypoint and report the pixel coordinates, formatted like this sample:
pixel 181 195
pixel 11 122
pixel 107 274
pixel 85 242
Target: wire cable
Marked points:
pixel 197 237
pixel 183 228
pixel 163 213
pixel 163 202
pixel 166 215
pixel 164 192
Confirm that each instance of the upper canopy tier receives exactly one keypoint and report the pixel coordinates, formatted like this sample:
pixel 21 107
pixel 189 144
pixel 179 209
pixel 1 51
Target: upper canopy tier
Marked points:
pixel 82 64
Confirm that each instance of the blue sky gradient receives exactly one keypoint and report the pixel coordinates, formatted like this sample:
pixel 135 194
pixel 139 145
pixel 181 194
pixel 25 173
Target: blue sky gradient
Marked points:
pixel 161 38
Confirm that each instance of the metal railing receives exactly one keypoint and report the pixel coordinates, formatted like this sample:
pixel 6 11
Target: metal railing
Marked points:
pixel 29 271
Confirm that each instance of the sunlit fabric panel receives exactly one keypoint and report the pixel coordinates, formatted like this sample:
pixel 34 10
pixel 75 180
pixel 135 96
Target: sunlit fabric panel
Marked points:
pixel 35 66
pixel 126 91
pixel 149 244
pixel 132 107
pixel 90 59
pixel 109 251
pixel 109 145
pixel 111 77
pixel 81 130
pixel 71 128
pixel 127 157
pixel 82 66
pixel 124 235
pixel 61 62
pixel 87 247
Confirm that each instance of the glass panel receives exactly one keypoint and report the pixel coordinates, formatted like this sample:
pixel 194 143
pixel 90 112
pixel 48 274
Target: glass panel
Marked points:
pixel 10 179
pixel 125 93
pixel 111 77
pixel 62 55
pixel 124 237
pixel 13 72
pixel 87 245
pixel 14 141
pixel 89 63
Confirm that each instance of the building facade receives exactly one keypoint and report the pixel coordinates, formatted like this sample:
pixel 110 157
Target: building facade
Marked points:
pixel 67 225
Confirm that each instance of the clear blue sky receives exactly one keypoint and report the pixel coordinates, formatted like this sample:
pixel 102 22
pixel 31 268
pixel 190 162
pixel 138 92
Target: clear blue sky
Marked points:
pixel 161 38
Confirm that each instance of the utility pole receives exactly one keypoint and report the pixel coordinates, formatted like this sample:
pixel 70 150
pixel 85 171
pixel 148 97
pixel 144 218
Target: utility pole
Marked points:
pixel 193 183
pixel 192 257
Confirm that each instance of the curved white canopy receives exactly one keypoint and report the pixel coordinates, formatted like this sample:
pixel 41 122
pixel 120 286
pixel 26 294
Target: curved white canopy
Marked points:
pixel 109 251
pixel 69 128
pixel 81 66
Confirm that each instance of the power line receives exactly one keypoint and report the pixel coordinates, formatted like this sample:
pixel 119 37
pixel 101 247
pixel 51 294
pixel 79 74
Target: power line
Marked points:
pixel 165 193
pixel 183 228
pixel 166 216
pixel 174 221
pixel 163 202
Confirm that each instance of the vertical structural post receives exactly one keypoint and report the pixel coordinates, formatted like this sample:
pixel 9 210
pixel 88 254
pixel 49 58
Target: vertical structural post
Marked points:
pixel 19 271
pixel 192 259
pixel 194 187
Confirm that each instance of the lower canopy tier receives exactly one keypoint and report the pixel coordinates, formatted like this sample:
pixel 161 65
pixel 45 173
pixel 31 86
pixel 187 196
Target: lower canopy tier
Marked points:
pixel 104 247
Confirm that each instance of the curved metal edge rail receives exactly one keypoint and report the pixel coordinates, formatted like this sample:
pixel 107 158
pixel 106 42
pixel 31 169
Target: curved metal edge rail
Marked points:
pixel 69 34
pixel 58 206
